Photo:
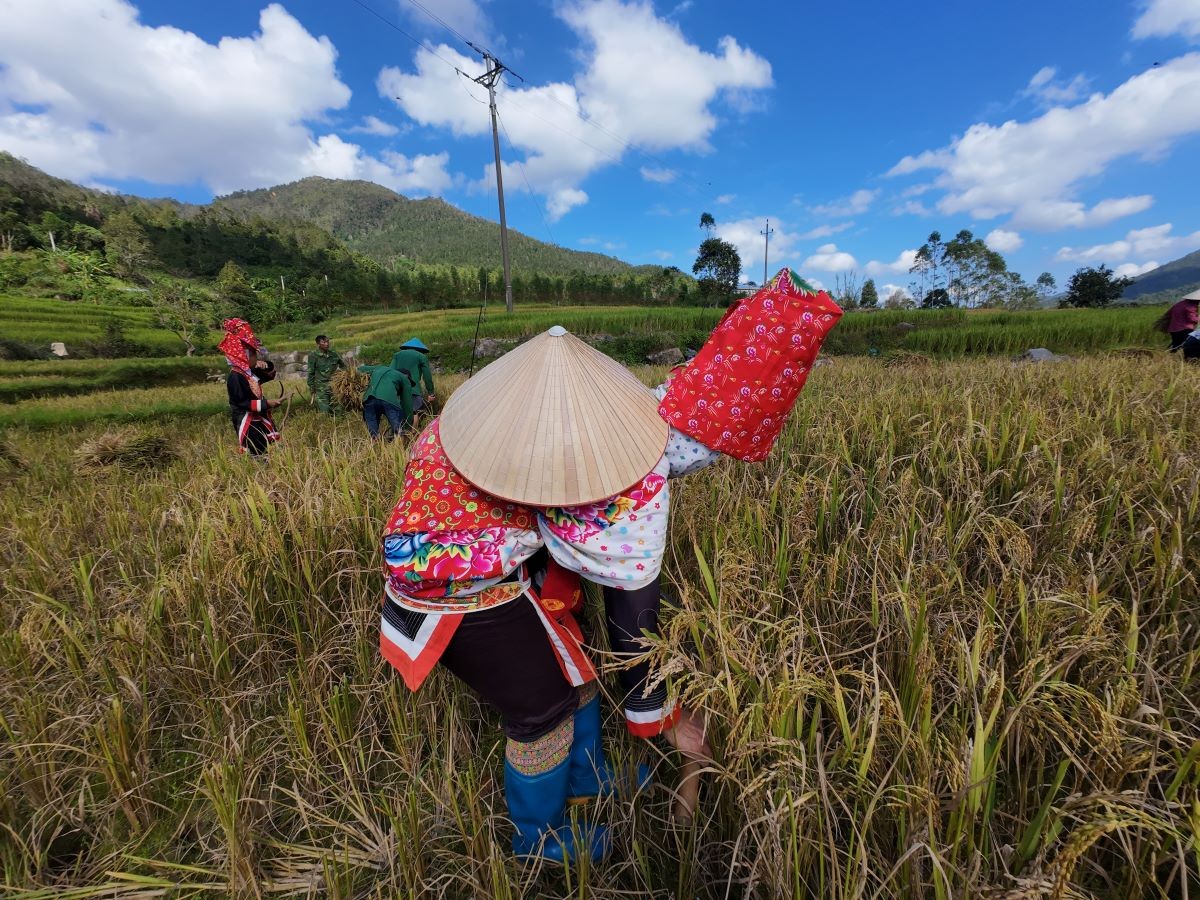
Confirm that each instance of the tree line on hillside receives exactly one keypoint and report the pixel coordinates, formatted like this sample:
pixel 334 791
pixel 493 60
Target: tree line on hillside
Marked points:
pixel 964 272
pixel 197 265
pixel 389 227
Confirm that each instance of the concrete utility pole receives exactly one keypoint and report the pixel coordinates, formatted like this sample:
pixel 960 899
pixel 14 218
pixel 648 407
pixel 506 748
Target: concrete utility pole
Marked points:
pixel 488 79
pixel 766 233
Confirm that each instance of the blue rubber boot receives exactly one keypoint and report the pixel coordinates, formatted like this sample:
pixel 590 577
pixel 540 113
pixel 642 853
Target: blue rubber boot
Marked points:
pixel 537 806
pixel 590 775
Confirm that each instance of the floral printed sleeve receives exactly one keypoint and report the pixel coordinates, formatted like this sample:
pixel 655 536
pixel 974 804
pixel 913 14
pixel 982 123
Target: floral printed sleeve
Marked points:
pixel 684 453
pixel 617 542
pixel 447 564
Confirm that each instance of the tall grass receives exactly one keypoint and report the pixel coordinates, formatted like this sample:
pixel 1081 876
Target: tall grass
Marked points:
pixel 946 637
pixel 62 412
pixel 1062 330
pixel 944 333
pixel 57 377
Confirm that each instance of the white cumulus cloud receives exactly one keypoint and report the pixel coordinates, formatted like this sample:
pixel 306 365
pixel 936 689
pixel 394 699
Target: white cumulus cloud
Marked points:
pixel 88 91
pixel 829 258
pixel 825 231
pixel 333 157
pixel 1162 18
pixel 912 208
pixel 642 84
pixel 899 266
pixel 1047 89
pixel 1133 270
pixel 658 175
pixel 562 201
pixel 376 126
pixel 887 290
pixel 1034 169
pixel 1003 241
pixel 856 204
pixel 1140 243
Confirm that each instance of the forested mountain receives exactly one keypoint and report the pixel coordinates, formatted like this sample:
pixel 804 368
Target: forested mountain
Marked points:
pixel 1167 283
pixel 387 226
pixel 271 256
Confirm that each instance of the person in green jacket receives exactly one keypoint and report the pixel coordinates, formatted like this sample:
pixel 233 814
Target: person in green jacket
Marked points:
pixel 413 360
pixel 388 394
pixel 322 364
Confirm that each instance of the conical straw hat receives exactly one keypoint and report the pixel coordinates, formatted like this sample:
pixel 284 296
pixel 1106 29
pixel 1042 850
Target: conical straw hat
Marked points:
pixel 553 422
pixel 1194 295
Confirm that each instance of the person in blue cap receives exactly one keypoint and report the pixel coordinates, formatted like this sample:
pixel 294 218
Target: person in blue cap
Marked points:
pixel 413 360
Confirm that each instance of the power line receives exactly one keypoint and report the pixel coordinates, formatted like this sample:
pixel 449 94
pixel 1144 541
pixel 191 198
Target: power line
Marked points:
pixel 575 111
pixel 488 79
pixel 528 186
pixel 420 43
pixel 466 90
pixel 766 233
pixel 458 34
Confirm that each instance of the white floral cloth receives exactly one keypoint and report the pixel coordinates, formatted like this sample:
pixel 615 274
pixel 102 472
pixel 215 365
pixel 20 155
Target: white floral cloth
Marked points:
pixel 685 454
pixel 618 542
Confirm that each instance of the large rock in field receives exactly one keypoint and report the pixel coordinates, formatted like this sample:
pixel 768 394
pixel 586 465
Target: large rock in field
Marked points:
pixel 669 357
pixel 290 364
pixel 1041 354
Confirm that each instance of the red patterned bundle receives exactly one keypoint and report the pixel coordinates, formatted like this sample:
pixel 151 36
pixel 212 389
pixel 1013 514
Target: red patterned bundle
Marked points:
pixel 736 394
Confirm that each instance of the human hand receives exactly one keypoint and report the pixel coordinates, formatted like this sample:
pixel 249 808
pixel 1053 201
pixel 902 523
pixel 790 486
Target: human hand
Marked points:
pixel 688 737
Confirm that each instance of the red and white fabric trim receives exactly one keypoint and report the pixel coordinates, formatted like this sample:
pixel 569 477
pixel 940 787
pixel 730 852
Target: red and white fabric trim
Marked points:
pixel 249 419
pixel 413 640
pixel 648 723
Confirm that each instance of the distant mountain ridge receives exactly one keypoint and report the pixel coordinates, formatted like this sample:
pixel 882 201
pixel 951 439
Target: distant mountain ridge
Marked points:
pixel 1168 282
pixel 387 226
pixel 367 217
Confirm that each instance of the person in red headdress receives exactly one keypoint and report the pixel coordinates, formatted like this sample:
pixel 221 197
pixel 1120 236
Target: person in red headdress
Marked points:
pixel 249 410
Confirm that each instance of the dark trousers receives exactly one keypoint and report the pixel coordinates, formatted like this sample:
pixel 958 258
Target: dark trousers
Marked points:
pixel 1178 338
pixel 504 655
pixel 373 408
pixel 256 436
pixel 1191 349
pixel 628 614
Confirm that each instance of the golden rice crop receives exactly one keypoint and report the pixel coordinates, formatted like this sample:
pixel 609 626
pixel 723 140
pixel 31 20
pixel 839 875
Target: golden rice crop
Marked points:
pixel 908 358
pixel 125 449
pixel 348 386
pixel 946 637
pixel 9 455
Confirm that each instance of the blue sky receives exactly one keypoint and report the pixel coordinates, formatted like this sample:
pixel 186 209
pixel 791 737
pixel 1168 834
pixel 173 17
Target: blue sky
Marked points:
pixel 1067 133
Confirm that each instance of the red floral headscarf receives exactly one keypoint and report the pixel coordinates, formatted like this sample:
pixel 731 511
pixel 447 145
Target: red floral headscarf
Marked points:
pixel 238 337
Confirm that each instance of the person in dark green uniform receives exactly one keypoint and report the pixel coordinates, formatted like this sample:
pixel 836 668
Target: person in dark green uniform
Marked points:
pixel 388 394
pixel 413 360
pixel 322 363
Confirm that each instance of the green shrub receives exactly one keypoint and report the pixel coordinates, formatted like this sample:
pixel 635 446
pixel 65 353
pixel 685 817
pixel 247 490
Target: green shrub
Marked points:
pixel 11 348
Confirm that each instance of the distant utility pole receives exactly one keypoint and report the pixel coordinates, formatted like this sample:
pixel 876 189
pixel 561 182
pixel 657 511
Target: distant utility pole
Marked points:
pixel 488 79
pixel 766 233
